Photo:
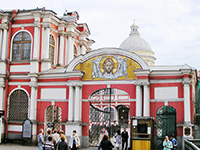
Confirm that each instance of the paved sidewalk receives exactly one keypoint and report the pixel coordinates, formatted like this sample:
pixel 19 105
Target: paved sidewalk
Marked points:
pixel 11 146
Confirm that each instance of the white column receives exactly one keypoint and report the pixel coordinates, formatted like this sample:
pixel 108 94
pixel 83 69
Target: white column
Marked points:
pixel 187 111
pixel 61 53
pixel 70 48
pixel 80 91
pixel 1 38
pixel 66 51
pixel 138 100
pixel 45 42
pixel 2 86
pixel 33 106
pixel 70 104
pixel 4 44
pixel 46 63
pixel 35 61
pixel 36 41
pixel 77 104
pixel 146 110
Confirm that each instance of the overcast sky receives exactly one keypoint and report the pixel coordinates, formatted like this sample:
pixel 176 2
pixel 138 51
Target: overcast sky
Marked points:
pixel 171 27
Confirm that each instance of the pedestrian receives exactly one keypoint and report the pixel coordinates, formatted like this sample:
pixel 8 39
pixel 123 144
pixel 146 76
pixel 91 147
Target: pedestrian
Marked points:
pixel 124 139
pixel 40 139
pixel 74 141
pixel 174 142
pixel 106 143
pixel 48 145
pixel 105 132
pixel 167 144
pixel 62 145
pixel 62 133
pixel 56 138
pixel 49 132
pixel 118 139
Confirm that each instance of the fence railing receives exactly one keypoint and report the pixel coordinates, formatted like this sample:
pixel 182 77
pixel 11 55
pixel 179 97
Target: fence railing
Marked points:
pixel 192 144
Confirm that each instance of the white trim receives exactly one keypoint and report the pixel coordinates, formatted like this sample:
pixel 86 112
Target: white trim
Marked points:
pixel 17 128
pixel 106 51
pixel 169 100
pixel 167 81
pixel 56 100
pixel 22 25
pixel 11 43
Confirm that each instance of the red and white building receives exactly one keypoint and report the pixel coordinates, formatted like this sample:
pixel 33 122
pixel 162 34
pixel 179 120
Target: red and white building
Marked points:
pixel 49 74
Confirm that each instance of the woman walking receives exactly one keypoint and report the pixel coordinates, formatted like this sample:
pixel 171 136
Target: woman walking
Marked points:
pixel 167 144
pixel 106 144
pixel 118 139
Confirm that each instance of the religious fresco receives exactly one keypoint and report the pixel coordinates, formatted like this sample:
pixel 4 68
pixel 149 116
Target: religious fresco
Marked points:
pixel 109 67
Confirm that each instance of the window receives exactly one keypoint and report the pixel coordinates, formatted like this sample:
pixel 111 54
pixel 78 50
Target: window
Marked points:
pixel 51 48
pixel 75 52
pixel 18 107
pixel 21 47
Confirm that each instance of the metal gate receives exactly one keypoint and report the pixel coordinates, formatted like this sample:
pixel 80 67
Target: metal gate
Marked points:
pixel 166 124
pixel 101 118
pixel 53 117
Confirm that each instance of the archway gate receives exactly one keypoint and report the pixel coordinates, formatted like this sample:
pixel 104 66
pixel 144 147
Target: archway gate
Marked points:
pixel 103 114
pixel 166 124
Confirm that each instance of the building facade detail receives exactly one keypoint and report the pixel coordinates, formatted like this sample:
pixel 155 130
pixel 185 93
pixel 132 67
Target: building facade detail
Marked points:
pixel 65 81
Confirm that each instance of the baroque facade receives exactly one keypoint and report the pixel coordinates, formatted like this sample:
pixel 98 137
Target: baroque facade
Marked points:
pixel 50 75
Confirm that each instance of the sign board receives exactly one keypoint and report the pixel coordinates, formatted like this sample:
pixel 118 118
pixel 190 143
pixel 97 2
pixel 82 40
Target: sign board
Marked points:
pixel 27 129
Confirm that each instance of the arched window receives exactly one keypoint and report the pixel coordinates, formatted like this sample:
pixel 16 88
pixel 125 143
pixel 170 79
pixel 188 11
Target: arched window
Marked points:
pixel 75 52
pixel 21 48
pixel 18 106
pixel 51 48
pixel 53 117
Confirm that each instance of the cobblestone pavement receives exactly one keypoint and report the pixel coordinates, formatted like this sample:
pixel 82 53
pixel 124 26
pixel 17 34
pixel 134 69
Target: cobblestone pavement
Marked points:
pixel 11 146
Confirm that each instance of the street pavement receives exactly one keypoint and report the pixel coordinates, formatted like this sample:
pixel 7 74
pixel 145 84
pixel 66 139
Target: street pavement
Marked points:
pixel 11 146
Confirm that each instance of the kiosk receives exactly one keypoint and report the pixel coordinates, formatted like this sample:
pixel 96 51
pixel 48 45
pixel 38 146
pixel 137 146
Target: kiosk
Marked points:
pixel 142 133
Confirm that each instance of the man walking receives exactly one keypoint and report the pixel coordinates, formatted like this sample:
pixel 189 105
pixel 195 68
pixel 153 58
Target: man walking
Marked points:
pixel 40 139
pixel 124 139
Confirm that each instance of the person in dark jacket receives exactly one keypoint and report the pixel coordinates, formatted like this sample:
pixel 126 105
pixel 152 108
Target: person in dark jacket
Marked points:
pixel 62 145
pixel 124 139
pixel 106 144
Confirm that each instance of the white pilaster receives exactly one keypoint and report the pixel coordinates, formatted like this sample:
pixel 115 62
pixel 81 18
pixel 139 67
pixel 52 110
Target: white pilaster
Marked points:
pixel 4 44
pixel 70 48
pixel 1 38
pixel 2 90
pixel 46 63
pixel 61 53
pixel 138 100
pixel 36 40
pixel 71 104
pixel 66 51
pixel 187 111
pixel 146 110
pixel 77 104
pixel 80 113
pixel 33 105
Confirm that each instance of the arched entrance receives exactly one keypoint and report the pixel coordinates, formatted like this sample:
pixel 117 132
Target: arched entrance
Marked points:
pixel 166 123
pixel 106 107
pixel 53 117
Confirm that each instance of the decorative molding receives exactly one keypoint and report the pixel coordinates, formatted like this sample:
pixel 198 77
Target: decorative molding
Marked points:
pixel 36 24
pixel 186 81
pixel 72 83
